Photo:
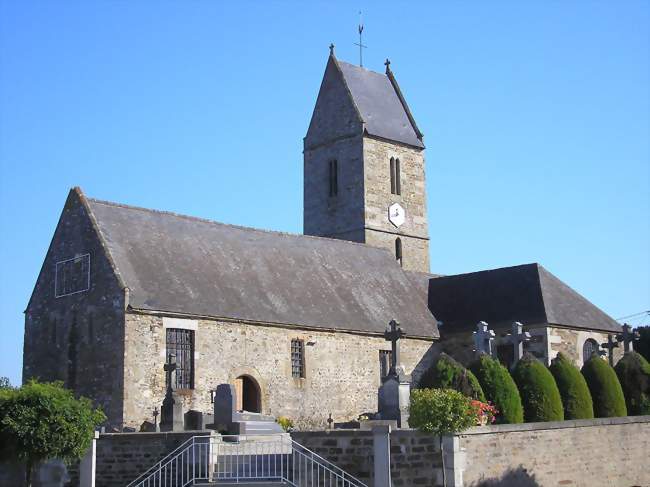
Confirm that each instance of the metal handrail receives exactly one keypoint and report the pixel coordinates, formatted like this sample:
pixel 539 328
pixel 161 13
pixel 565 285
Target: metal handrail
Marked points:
pixel 239 459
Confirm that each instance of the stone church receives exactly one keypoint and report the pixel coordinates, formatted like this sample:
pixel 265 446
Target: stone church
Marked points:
pixel 295 322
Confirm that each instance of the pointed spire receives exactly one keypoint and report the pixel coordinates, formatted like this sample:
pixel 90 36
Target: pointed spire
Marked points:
pixel 332 49
pixel 387 64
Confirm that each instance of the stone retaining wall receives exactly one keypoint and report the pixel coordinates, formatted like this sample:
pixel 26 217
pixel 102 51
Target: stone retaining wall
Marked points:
pixel 415 457
pixel 603 452
pixel 122 457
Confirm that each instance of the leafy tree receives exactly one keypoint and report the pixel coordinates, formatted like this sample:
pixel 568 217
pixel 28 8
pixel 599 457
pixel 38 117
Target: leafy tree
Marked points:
pixel 643 344
pixel 5 383
pixel 606 391
pixel 499 389
pixel 633 373
pixel 576 398
pixel 539 393
pixel 41 421
pixel 441 411
pixel 446 373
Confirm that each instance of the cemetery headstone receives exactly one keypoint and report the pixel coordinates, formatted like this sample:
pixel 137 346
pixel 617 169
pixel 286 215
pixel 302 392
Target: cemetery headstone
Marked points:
pixel 395 390
pixel 628 337
pixel 610 345
pixel 518 337
pixel 171 412
pixel 483 338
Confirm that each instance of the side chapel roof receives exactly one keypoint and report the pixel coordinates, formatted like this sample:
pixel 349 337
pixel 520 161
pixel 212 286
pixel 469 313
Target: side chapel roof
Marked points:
pixel 191 266
pixel 527 293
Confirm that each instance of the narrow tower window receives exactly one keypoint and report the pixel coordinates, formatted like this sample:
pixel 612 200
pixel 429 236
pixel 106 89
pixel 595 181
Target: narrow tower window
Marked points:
pixel 398 250
pixel 398 177
pixel 297 358
pixel 334 177
pixel 395 183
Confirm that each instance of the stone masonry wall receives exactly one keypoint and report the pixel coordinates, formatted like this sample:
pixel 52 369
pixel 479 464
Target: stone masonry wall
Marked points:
pixel 339 216
pixel 415 456
pixel 414 233
pixel 586 453
pixel 342 369
pixel 570 342
pixel 78 338
pixel 122 457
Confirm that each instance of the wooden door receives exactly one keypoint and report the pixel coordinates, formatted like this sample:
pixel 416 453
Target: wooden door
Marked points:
pixel 239 388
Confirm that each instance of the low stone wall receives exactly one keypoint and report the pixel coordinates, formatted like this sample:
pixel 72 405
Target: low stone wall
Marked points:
pixel 415 457
pixel 585 453
pixel 122 457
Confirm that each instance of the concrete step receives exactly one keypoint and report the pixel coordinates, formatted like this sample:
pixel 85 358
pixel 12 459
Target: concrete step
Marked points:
pixel 262 483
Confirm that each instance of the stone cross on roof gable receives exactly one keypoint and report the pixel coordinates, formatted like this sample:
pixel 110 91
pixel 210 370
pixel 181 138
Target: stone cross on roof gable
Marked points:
pixel 483 338
pixel 393 334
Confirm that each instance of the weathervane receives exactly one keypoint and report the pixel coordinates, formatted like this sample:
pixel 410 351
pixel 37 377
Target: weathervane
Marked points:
pixel 360 44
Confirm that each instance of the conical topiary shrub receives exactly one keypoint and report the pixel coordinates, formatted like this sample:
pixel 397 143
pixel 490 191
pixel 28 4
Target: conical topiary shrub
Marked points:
pixel 446 373
pixel 499 389
pixel 633 372
pixel 606 391
pixel 576 398
pixel 539 393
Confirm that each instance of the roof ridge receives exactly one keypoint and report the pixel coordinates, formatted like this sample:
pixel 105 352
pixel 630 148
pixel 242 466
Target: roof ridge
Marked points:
pixel 231 225
pixel 489 270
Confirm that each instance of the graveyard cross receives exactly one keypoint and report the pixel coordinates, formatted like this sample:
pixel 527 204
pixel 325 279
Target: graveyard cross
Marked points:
pixel 628 337
pixel 518 338
pixel 610 346
pixel 393 334
pixel 483 338
pixel 155 419
pixel 330 421
pixel 170 368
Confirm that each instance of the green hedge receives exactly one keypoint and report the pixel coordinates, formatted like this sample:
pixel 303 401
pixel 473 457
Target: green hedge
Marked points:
pixel 539 393
pixel 499 389
pixel 446 373
pixel 633 372
pixel 606 391
pixel 440 411
pixel 576 398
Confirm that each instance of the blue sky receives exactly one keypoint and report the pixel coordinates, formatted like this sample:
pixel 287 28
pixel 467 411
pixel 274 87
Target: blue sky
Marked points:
pixel 536 117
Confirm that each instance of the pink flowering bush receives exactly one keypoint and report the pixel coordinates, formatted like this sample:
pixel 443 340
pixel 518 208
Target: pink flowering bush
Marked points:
pixel 484 412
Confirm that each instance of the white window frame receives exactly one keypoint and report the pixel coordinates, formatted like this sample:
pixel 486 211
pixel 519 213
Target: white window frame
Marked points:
pixel 56 276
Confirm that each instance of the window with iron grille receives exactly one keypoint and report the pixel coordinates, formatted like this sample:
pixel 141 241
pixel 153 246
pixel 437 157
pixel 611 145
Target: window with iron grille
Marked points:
pixel 181 344
pixel 385 357
pixel 297 358
pixel 72 276
pixel 590 347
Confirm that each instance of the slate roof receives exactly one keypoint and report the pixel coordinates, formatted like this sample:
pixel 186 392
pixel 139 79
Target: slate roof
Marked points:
pixel 526 293
pixel 381 105
pixel 191 266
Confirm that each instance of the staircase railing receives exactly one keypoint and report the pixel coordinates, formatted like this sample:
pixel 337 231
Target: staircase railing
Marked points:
pixel 243 459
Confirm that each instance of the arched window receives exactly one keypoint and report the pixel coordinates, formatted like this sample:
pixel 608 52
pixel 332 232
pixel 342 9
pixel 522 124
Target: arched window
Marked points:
pixel 398 250
pixel 395 183
pixel 590 347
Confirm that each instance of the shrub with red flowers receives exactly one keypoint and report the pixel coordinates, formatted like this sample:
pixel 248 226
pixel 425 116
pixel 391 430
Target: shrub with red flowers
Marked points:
pixel 484 412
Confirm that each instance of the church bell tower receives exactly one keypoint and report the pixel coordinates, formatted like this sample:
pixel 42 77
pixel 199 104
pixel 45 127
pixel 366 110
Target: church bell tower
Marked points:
pixel 364 177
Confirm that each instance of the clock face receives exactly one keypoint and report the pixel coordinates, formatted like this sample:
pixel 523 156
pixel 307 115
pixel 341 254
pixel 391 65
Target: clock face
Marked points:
pixel 396 214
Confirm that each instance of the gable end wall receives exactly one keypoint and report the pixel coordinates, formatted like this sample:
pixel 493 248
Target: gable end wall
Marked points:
pixel 78 339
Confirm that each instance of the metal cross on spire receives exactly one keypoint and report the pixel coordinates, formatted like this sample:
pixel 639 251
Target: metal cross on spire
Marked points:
pixel 360 44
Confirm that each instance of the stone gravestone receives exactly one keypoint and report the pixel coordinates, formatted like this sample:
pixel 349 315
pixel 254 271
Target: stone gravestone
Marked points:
pixel 518 337
pixel 628 337
pixel 395 391
pixel 610 345
pixel 483 338
pixel 171 412
pixel 233 422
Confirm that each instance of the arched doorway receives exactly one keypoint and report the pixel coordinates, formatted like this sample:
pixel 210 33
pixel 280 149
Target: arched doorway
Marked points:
pixel 249 397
